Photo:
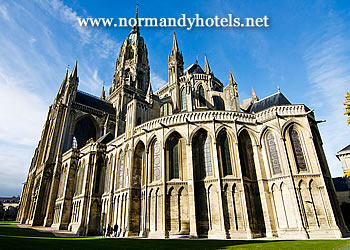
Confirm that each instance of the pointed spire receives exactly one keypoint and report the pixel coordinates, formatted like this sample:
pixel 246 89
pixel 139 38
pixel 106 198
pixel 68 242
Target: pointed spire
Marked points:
pixel 175 47
pixel 149 94
pixel 232 79
pixel 206 65
pixel 103 94
pixel 74 73
pixel 63 85
pixel 254 97
pixel 136 26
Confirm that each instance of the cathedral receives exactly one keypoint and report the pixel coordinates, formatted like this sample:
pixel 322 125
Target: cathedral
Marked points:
pixel 186 161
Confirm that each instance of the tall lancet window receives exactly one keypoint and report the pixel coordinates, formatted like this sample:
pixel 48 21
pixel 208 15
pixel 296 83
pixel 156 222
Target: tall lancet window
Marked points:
pixel 202 155
pixel 273 155
pixel 297 149
pixel 174 158
pixel 121 169
pixel 224 153
pixel 201 96
pixel 156 161
pixel 183 99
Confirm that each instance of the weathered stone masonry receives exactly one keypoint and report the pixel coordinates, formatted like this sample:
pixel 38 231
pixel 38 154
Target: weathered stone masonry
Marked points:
pixel 185 161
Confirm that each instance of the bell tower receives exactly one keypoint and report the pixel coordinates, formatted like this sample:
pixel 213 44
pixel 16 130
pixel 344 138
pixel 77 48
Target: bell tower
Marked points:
pixel 131 76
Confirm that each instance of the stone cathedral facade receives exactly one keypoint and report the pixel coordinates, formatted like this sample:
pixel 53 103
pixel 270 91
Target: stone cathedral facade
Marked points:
pixel 185 161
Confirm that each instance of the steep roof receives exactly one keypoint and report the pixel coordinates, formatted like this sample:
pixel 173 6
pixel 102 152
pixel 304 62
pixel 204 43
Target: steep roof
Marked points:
pixel 94 102
pixel 344 150
pixel 194 68
pixel 277 99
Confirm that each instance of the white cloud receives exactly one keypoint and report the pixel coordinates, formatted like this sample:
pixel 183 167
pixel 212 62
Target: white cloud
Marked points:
pixel 35 48
pixel 156 81
pixel 4 12
pixel 22 113
pixel 327 57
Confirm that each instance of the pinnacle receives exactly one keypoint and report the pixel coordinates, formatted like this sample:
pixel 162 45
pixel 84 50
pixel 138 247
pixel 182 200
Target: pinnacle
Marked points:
pixel 206 65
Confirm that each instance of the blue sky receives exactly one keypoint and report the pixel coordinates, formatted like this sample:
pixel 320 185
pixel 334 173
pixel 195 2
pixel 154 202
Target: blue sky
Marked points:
pixel 305 52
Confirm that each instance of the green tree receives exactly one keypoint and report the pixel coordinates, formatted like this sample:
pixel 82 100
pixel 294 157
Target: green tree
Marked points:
pixel 347 106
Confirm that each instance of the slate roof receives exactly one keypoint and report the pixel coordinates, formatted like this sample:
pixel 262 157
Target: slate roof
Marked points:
pixel 195 69
pixel 277 99
pixel 344 150
pixel 94 102
pixel 340 184
pixel 106 138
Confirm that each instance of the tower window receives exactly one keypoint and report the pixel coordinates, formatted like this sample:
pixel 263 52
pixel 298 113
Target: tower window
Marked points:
pixel 297 150
pixel 201 96
pixel 225 156
pixel 183 99
pixel 273 155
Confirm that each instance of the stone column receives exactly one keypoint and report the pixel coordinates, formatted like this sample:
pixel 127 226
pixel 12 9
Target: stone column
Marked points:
pixel 217 171
pixel 191 194
pixel 242 192
pixel 53 195
pixel 263 190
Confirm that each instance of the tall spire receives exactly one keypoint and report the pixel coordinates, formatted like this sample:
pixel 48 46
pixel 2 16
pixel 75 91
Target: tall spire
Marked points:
pixel 136 26
pixel 175 47
pixel 232 79
pixel 63 85
pixel 103 94
pixel 254 97
pixel 206 65
pixel 74 74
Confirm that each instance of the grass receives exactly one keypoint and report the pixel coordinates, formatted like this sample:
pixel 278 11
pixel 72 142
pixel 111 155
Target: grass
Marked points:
pixel 13 237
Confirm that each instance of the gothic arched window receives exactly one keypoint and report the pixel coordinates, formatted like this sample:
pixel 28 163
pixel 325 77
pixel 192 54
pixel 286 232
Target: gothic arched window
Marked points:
pixel 165 109
pixel 108 173
pixel 121 169
pixel 273 155
pixel 174 156
pixel 183 99
pixel 201 96
pixel 80 179
pixel 202 157
pixel 62 181
pixel 155 161
pixel 297 149
pixel 246 155
pixel 224 153
pixel 99 177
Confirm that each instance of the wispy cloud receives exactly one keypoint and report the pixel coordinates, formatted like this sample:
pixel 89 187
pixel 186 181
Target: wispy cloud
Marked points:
pixel 4 13
pixel 39 39
pixel 327 57
pixel 156 81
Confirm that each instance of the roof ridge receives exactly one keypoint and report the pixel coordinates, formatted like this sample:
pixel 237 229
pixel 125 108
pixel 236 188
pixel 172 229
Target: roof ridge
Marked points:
pixel 93 96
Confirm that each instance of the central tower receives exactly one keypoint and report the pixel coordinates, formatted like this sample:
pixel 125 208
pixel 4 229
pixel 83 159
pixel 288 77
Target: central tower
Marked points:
pixel 131 76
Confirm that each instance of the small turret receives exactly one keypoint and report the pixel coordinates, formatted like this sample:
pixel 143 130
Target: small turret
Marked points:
pixel 103 94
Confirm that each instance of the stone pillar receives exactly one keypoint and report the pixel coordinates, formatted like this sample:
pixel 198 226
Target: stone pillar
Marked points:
pixel 263 190
pixel 294 192
pixel 242 192
pixel 164 191
pixel 222 234
pixel 191 194
pixel 53 195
